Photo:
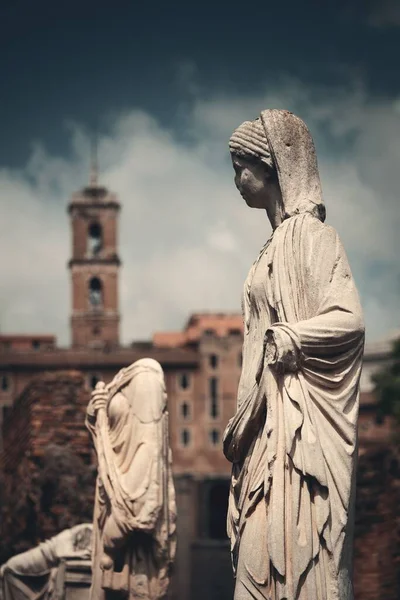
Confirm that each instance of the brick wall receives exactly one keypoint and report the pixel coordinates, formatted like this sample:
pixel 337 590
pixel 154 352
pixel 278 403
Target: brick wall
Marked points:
pixel 376 548
pixel 48 481
pixel 48 422
pixel 51 410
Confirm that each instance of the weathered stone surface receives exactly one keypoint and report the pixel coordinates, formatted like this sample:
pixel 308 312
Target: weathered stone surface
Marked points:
pixel 293 441
pixel 51 410
pixel 135 511
pixel 46 571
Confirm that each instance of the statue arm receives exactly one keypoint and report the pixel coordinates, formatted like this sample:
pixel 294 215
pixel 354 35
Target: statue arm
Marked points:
pixel 331 321
pixel 337 328
pixel 36 561
pixel 98 400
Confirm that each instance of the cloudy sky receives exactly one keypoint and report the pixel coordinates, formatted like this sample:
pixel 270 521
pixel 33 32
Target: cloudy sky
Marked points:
pixel 164 85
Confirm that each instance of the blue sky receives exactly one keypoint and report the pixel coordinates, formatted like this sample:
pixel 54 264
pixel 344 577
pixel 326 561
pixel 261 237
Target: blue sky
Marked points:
pixel 164 85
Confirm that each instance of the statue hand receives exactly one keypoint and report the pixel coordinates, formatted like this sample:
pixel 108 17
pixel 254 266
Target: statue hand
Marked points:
pixel 113 535
pixel 106 562
pixel 268 354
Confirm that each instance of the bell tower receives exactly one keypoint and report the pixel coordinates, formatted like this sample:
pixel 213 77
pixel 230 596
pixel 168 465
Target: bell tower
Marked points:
pixel 94 266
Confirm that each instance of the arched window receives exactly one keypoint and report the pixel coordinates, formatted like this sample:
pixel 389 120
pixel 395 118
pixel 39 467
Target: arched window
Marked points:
pixel 95 292
pixel 213 390
pixel 184 380
pixel 214 437
pixel 213 358
pixel 185 410
pixel 95 239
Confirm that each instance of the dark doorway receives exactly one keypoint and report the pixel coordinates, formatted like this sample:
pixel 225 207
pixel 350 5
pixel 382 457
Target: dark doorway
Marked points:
pixel 217 510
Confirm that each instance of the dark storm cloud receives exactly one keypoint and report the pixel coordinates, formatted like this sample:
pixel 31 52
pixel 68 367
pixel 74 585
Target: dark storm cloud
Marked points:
pixel 165 85
pixel 89 61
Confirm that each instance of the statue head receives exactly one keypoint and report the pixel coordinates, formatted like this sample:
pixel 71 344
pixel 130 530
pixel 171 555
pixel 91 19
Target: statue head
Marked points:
pixel 276 166
pixel 255 173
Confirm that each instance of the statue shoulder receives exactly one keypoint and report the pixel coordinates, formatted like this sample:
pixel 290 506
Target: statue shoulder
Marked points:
pixel 317 232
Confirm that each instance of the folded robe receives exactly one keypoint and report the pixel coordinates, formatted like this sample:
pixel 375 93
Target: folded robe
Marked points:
pixel 311 409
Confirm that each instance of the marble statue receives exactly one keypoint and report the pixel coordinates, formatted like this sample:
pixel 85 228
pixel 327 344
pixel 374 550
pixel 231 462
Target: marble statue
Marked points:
pixel 135 514
pixel 38 573
pixel 293 440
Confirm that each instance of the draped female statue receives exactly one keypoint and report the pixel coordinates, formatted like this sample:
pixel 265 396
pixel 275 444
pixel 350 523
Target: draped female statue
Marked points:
pixel 293 440
pixel 135 512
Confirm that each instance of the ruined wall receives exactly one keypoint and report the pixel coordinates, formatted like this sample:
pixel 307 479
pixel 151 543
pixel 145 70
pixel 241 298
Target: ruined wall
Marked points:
pixel 48 481
pixel 49 485
pixel 376 548
pixel 51 410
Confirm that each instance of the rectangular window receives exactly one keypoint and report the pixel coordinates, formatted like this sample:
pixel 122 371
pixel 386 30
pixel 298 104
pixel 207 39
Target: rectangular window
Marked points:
pixel 213 359
pixel 214 437
pixel 214 404
pixel 185 410
pixel 185 438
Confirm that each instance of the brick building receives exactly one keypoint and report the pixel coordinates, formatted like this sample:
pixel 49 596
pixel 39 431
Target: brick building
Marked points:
pixel 202 365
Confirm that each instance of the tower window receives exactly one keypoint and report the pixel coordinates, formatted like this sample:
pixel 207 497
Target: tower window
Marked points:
pixel 95 291
pixel 35 344
pixel 185 410
pixel 185 437
pixel 240 359
pixel 95 235
pixel 214 437
pixel 213 358
pixel 214 406
pixel 184 381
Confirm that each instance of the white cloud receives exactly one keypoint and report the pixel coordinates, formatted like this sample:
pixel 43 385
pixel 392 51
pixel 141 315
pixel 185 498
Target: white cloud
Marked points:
pixel 220 238
pixel 187 239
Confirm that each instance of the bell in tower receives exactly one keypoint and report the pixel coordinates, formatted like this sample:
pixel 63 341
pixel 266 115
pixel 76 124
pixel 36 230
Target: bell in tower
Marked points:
pixel 94 265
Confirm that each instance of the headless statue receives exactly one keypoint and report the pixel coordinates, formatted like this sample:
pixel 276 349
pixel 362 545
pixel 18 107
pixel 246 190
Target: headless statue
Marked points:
pixel 135 512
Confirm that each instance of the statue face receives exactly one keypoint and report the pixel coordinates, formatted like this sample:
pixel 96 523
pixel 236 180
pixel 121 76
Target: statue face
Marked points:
pixel 252 179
